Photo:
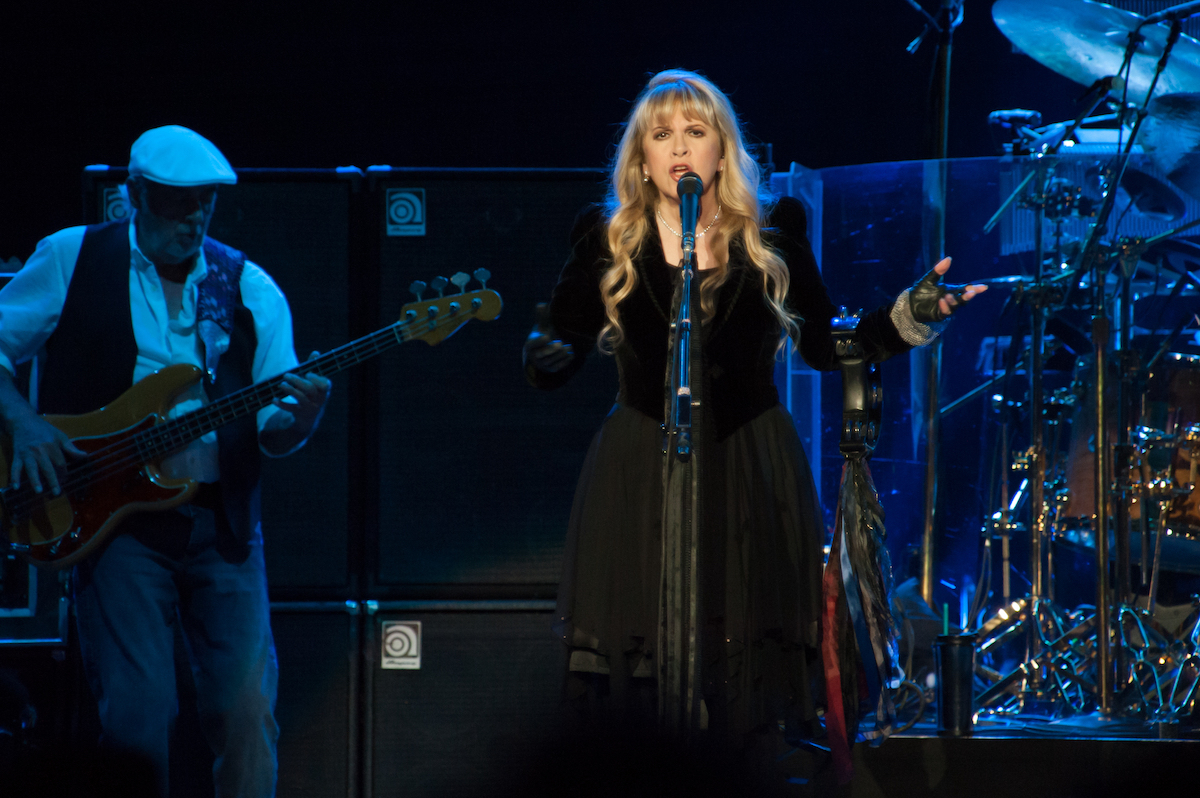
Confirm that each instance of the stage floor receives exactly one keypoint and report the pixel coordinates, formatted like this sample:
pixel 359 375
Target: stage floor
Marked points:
pixel 1006 762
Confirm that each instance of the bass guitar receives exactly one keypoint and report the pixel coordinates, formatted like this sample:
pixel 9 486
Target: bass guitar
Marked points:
pixel 126 439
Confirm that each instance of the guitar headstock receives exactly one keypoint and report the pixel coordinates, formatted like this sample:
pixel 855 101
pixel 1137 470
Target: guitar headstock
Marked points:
pixel 435 320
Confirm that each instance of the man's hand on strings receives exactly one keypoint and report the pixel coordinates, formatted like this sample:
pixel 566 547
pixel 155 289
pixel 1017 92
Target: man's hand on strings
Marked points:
pixel 40 453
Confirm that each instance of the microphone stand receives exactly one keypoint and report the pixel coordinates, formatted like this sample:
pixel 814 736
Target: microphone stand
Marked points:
pixel 679 594
pixel 679 430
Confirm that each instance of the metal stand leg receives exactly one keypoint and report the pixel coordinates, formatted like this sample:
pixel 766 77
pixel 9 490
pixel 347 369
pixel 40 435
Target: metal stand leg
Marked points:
pixel 1164 507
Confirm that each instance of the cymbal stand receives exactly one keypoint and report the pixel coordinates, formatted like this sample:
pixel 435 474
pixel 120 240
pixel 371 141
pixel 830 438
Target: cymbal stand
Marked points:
pixel 1057 408
pixel 1093 260
pixel 1164 508
pixel 1064 201
pixel 1128 252
pixel 1145 659
pixel 1029 612
pixel 1124 454
pixel 1037 446
pixel 1000 526
pixel 1035 613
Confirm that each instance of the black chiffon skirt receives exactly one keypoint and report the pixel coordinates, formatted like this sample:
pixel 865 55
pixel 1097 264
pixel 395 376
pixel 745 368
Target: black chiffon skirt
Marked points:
pixel 759 571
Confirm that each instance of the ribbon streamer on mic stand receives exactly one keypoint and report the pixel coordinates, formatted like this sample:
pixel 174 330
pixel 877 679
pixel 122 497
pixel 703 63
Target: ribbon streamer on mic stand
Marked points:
pixel 859 652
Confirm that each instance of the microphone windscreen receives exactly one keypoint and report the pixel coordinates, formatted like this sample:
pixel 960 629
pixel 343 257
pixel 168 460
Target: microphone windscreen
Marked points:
pixel 690 183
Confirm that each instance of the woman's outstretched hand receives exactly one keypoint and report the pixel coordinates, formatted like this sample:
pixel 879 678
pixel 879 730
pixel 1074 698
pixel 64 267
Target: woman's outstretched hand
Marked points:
pixel 932 300
pixel 542 350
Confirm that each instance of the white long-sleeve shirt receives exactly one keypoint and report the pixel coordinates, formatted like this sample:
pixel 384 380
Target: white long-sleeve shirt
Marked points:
pixel 31 304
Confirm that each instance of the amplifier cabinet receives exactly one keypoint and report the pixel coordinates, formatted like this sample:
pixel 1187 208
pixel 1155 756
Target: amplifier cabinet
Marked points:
pixel 476 468
pixel 318 645
pixel 487 692
pixel 33 604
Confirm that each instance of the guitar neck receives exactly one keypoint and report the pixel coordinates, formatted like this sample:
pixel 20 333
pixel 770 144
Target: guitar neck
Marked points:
pixel 176 433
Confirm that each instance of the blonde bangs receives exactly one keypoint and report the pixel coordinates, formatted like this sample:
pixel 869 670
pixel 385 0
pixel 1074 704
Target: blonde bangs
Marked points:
pixel 664 100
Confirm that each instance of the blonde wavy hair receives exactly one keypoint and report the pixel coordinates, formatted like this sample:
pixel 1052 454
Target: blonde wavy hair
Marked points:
pixel 631 201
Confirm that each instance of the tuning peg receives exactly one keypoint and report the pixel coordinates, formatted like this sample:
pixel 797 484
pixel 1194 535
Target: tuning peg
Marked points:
pixel 482 275
pixel 417 288
pixel 460 279
pixel 439 284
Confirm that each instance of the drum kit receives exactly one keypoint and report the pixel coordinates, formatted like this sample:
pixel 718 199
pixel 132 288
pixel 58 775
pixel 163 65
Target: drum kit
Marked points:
pixel 1113 457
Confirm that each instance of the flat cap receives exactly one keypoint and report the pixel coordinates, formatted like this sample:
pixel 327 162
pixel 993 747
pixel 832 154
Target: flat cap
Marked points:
pixel 176 156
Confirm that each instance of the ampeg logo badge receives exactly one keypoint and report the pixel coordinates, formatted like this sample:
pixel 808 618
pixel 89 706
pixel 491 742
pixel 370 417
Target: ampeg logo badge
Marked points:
pixel 113 207
pixel 401 645
pixel 406 211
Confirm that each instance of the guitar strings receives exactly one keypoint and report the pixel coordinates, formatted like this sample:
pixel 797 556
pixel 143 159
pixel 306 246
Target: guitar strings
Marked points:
pixel 173 434
pixel 117 456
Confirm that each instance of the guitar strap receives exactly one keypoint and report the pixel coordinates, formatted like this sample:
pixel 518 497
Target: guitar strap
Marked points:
pixel 217 298
pixel 218 306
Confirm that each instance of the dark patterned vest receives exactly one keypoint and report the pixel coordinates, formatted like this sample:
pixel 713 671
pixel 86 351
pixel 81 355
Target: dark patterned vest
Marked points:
pixel 92 353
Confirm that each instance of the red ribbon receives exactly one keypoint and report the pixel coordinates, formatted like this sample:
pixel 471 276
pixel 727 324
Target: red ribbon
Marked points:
pixel 835 713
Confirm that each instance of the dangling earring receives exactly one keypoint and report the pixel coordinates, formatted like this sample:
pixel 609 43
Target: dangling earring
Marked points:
pixel 645 178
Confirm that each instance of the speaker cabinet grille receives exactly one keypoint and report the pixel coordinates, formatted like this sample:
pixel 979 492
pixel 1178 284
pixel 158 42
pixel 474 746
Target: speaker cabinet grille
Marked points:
pixel 477 469
pixel 317 707
pixel 488 689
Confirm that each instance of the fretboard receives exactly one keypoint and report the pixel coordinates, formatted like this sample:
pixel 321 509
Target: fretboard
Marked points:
pixel 168 436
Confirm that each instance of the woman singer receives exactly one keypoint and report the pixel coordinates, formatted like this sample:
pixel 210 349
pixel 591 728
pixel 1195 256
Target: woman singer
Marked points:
pixel 760 532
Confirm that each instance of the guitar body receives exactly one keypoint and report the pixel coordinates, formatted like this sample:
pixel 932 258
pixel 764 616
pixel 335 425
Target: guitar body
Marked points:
pixel 62 530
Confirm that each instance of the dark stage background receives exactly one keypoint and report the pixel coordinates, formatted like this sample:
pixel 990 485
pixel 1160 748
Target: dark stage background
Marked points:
pixel 419 86
pixel 416 84
pixel 404 529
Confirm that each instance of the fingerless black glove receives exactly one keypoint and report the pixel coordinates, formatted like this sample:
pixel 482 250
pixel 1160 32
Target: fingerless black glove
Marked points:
pixel 923 297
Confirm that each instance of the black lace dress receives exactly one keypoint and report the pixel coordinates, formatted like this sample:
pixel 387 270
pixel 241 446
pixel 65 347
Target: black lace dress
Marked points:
pixel 759 561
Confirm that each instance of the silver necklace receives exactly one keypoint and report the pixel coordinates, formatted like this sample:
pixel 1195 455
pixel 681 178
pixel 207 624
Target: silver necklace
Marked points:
pixel 698 235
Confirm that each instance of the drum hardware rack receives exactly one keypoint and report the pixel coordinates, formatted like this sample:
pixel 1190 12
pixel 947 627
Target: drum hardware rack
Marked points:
pixel 1114 664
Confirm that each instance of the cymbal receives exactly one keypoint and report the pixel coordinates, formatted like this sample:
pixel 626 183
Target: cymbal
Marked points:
pixel 1159 268
pixel 1170 137
pixel 1180 252
pixel 1085 41
pixel 1155 274
pixel 1148 196
pixel 1152 197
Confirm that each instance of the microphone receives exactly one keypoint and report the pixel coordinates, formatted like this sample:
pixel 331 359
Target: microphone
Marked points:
pixel 689 188
pixel 1015 118
pixel 1174 13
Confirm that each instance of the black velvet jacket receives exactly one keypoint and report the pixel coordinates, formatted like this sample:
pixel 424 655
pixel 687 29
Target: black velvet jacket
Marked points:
pixel 739 343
